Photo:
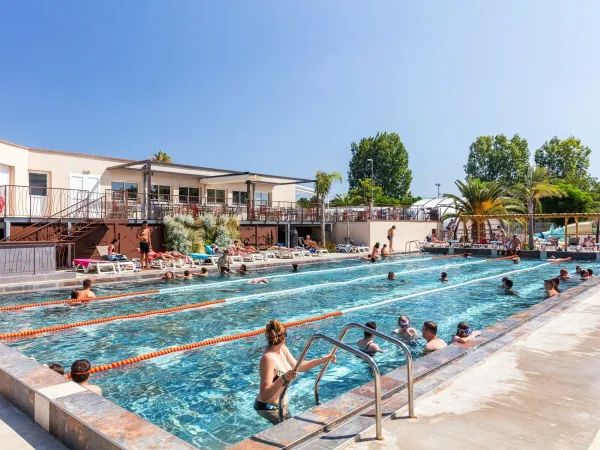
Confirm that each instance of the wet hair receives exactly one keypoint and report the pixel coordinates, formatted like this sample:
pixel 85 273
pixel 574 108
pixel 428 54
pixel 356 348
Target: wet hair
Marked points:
pixel 403 319
pixel 578 267
pixel 203 270
pixel 390 275
pixel 444 275
pixel 376 245
pixel 186 273
pixel 80 370
pixel 430 326
pixel 275 332
pixel 169 274
pixel 384 246
pixel 556 282
pixel 371 325
pixel 461 329
pixel 564 272
pixel 87 283
pixel 549 283
pixel 590 271
pixel 373 259
pixel 584 271
pixel 74 294
pixel 508 282
pixel 57 368
pixel 505 278
pixel 295 267
pixel 243 267
pixel 114 241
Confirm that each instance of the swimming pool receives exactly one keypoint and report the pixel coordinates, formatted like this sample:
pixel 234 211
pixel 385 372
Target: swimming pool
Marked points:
pixel 205 396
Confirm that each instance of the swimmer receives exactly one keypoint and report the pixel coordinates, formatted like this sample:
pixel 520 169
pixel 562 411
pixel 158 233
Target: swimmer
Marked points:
pixel 203 273
pixel 466 255
pixel 464 333
pixel 384 251
pixel 258 281
pixel 404 329
pixel 429 332
pixel 223 263
pixel 366 344
pixel 578 270
pixel 373 259
pixel 243 269
pixel 585 275
pixel 591 272
pixel 444 278
pixel 85 292
pixel 295 268
pixel 187 275
pixel 516 260
pixel 564 275
pixel 507 285
pixel 168 275
pixel 392 277
pixel 80 374
pixel 57 368
pixel 549 286
pixel 556 282
pixel 277 368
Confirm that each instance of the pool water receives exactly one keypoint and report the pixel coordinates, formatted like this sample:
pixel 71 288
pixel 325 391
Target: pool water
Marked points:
pixel 205 396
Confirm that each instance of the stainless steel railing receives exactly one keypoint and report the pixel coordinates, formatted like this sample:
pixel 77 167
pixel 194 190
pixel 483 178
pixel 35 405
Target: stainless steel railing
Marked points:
pixel 337 344
pixel 397 342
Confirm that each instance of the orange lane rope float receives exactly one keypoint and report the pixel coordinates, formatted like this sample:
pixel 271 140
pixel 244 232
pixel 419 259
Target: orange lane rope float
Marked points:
pixel 25 333
pixel 77 300
pixel 207 342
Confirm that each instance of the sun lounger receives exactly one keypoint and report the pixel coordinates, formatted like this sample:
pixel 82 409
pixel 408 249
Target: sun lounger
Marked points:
pixel 320 252
pixel 267 254
pixel 86 264
pixel 289 254
pixel 212 259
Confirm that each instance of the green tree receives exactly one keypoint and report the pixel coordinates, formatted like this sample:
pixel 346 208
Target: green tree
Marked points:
pixel 496 158
pixel 390 164
pixel 567 160
pixel 323 183
pixel 536 186
pixel 574 200
pixel 162 157
pixel 366 188
pixel 480 198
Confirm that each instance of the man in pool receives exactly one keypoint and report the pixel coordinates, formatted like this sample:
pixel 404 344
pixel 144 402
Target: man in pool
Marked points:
pixel 295 268
pixel 404 330
pixel 444 278
pixel 514 245
pixel 549 287
pixel 187 275
pixel 143 236
pixel 578 270
pixel 390 237
pixel 429 332
pixel 516 260
pixel 243 270
pixel 80 374
pixel 203 273
pixel 223 263
pixel 86 291
pixel 392 277
pixel 507 285
pixel 564 275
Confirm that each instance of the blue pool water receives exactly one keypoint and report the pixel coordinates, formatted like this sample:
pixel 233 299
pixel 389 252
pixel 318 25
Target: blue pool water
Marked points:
pixel 205 396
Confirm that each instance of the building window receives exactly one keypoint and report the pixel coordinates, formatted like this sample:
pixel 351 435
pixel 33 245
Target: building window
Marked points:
pixel 39 183
pixel 160 192
pixel 189 194
pixel 261 198
pixel 215 196
pixel 119 186
pixel 240 197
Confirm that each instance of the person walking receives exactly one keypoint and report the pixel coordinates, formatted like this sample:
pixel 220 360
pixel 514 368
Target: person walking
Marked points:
pixel 390 237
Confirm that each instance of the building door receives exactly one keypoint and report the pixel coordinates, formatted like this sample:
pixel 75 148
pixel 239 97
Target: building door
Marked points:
pixel 84 187
pixel 38 194
pixel 4 190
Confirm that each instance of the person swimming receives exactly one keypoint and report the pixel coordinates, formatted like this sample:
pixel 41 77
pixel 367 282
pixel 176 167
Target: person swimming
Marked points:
pixel 564 275
pixel 168 275
pixel 258 281
pixel 203 272
pixel 464 333
pixel 507 285
pixel 549 287
pixel 444 278
pixel 295 268
pixel 366 344
pixel 516 260
pixel 243 270
pixel 404 329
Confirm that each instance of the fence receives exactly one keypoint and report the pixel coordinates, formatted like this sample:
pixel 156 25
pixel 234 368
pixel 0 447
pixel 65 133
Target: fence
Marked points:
pixel 34 202
pixel 34 258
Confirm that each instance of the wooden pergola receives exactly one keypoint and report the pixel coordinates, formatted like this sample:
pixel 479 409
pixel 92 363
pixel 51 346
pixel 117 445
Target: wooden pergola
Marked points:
pixel 525 217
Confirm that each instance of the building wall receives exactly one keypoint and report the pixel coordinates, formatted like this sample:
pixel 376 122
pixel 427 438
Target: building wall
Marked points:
pixel 17 159
pixel 368 233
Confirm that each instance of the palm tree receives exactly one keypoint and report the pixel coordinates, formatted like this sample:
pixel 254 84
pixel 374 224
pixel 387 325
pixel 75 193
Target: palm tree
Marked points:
pixel 536 186
pixel 480 198
pixel 323 183
pixel 162 157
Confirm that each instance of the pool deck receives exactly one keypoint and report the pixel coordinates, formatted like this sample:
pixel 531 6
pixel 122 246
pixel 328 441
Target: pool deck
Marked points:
pixel 540 392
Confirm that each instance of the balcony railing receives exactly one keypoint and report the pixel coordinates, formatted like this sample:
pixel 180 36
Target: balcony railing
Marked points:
pixel 37 202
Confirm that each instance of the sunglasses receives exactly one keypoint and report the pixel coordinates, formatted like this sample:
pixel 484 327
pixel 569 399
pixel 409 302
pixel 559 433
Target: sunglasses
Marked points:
pixel 404 325
pixel 467 332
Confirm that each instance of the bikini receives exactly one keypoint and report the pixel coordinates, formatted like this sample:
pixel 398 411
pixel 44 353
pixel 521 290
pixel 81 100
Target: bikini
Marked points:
pixel 366 350
pixel 262 406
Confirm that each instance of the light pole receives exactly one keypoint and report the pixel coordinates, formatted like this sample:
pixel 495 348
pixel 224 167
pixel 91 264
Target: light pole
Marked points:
pixel 438 186
pixel 372 180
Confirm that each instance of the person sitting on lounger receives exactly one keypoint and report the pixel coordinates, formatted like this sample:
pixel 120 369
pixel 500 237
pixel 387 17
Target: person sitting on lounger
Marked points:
pixel 112 248
pixel 310 244
pixel 86 291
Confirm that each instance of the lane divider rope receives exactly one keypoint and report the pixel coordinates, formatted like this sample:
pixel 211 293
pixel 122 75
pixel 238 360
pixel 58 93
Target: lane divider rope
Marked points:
pixel 295 323
pixel 25 333
pixel 78 300
pixel 207 342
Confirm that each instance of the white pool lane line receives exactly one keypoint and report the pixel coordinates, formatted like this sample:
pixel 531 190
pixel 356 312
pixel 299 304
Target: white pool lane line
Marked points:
pixel 445 288
pixel 295 274
pixel 336 283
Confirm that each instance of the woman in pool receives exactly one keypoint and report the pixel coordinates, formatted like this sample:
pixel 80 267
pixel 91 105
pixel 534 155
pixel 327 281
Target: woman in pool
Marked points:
pixel 276 370
pixel 384 251
pixel 550 290
pixel 464 333
pixel 367 344
pixel 375 252
pixel 168 275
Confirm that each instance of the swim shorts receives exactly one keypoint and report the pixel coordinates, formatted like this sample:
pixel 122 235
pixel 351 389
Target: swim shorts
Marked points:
pixel 389 238
pixel 144 247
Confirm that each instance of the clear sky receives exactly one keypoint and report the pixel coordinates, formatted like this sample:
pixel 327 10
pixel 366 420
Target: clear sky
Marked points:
pixel 284 87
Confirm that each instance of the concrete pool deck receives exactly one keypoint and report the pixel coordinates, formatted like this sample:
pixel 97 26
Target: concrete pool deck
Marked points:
pixel 540 392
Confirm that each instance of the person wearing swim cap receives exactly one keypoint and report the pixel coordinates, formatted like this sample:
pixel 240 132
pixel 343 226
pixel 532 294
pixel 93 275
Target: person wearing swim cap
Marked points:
pixel 80 374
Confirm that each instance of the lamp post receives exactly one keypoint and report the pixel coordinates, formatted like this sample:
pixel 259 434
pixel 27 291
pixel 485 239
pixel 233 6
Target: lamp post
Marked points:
pixel 438 186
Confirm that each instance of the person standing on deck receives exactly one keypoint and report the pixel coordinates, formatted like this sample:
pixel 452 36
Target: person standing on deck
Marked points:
pixel 143 235
pixel 390 237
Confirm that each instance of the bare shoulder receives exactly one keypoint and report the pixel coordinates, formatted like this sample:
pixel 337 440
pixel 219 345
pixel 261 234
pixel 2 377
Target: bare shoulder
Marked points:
pixel 95 389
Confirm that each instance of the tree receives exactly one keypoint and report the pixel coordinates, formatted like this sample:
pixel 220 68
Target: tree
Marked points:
pixel 390 164
pixel 567 160
pixel 495 158
pixel 323 183
pixel 574 200
pixel 480 198
pixel 536 186
pixel 162 157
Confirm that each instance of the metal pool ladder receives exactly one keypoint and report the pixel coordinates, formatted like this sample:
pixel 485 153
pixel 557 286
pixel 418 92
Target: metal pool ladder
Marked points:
pixel 408 246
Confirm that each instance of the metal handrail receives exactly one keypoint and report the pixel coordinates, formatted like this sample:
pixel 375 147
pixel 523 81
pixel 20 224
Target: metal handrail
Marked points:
pixel 397 342
pixel 337 344
pixel 409 245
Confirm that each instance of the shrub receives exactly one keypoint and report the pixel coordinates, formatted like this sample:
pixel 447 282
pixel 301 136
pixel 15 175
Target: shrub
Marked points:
pixel 176 236
pixel 233 227
pixel 222 238
pixel 209 222
pixel 185 219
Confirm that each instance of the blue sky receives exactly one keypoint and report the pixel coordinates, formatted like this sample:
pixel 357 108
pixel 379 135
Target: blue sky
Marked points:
pixel 285 87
